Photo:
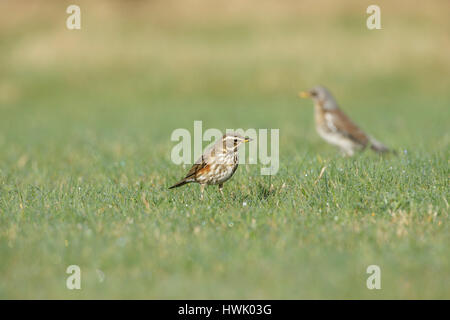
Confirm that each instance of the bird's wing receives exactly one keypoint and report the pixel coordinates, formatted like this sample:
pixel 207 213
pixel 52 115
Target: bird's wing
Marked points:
pixel 339 122
pixel 201 164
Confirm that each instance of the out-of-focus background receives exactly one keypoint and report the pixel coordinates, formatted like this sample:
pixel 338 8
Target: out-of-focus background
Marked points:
pixel 85 123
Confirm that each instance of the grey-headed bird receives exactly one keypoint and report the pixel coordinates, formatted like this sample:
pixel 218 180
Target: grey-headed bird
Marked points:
pixel 335 127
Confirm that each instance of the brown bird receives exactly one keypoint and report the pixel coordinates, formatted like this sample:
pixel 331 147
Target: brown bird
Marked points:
pixel 217 164
pixel 335 127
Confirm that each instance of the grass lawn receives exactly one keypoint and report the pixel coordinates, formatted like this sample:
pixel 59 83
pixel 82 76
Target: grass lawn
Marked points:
pixel 85 124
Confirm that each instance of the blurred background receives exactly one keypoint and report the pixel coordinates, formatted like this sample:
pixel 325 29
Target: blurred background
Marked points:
pixel 137 64
pixel 94 108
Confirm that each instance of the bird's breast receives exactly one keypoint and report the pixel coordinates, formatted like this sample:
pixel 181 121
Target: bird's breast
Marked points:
pixel 320 118
pixel 223 169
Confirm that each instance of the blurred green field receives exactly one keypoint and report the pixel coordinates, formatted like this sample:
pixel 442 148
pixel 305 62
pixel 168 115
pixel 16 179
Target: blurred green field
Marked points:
pixel 85 124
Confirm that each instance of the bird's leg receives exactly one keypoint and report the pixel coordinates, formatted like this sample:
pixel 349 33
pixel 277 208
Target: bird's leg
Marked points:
pixel 202 188
pixel 347 152
pixel 221 189
pixel 350 153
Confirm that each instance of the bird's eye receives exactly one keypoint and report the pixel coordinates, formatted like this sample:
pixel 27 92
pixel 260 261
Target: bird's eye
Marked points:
pixel 314 93
pixel 235 140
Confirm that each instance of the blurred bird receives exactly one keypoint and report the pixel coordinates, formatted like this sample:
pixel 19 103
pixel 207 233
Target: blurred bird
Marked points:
pixel 335 127
pixel 217 164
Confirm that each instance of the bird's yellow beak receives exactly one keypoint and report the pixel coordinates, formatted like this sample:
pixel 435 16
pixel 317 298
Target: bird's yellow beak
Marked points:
pixel 304 94
pixel 247 139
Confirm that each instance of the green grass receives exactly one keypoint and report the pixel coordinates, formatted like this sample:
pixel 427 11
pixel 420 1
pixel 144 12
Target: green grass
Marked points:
pixel 85 124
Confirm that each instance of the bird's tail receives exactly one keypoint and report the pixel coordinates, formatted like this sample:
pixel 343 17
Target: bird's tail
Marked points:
pixel 377 146
pixel 179 184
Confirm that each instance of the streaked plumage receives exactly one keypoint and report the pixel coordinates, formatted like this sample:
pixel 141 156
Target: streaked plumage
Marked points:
pixel 216 165
pixel 335 127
